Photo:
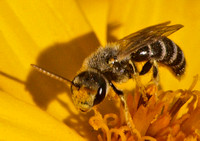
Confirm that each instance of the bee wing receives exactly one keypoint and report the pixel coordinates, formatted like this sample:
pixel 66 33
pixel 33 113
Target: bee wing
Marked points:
pixel 143 37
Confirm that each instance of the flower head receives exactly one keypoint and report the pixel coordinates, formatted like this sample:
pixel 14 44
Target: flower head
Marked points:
pixel 160 118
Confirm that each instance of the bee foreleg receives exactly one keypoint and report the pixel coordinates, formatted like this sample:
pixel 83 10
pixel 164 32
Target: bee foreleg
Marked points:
pixel 118 92
pixel 128 117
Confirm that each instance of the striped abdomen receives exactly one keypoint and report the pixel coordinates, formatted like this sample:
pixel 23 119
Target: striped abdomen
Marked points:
pixel 164 51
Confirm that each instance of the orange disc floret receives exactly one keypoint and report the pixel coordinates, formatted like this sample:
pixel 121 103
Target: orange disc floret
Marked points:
pixel 162 115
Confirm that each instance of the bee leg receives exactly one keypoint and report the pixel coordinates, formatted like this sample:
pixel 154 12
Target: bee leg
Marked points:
pixel 155 77
pixel 155 72
pixel 118 92
pixel 147 66
pixel 135 71
pixel 128 118
pixel 136 74
pixel 154 83
pixel 136 77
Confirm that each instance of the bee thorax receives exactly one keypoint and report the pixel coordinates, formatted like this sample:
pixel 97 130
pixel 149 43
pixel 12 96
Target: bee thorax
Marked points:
pixel 104 61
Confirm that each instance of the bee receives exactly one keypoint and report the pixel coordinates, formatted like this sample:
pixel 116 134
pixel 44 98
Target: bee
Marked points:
pixel 116 63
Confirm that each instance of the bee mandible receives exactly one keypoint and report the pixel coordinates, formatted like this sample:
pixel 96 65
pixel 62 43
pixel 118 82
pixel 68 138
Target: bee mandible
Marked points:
pixel 116 63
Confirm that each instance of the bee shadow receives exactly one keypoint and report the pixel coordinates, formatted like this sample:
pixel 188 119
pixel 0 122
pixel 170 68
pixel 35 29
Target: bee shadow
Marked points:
pixel 64 59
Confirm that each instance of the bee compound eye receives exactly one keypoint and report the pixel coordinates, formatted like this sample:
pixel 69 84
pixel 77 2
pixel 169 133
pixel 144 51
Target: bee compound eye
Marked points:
pixel 101 92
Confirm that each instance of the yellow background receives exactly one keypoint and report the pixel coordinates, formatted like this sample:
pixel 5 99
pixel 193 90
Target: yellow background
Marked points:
pixel 58 35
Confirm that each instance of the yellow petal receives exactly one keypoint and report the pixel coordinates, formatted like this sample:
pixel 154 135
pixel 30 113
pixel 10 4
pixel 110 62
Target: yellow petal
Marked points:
pixel 22 121
pixel 43 33
pixel 27 28
pixel 96 13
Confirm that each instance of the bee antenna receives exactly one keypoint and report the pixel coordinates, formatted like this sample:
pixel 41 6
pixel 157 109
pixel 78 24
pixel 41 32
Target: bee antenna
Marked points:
pixel 52 75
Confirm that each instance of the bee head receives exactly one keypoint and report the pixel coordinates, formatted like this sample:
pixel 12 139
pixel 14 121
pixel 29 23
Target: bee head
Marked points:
pixel 88 89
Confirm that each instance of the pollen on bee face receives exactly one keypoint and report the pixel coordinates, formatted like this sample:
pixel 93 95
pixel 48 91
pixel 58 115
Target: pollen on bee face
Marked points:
pixel 83 99
pixel 80 95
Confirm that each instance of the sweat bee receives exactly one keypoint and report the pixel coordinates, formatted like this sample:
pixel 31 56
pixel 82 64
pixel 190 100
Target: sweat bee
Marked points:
pixel 116 63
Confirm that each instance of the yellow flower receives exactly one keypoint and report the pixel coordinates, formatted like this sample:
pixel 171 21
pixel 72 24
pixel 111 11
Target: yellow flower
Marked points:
pixel 58 35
